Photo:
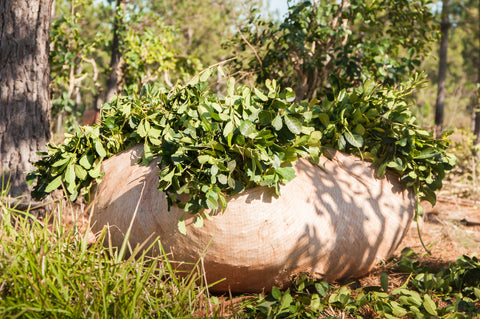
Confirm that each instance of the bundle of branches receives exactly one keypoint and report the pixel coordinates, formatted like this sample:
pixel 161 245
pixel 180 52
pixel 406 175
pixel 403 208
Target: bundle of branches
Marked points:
pixel 211 146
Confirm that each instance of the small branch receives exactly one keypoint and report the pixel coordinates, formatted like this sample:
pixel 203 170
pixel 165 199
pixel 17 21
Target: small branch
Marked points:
pixel 95 69
pixel 167 79
pixel 21 204
pixel 251 47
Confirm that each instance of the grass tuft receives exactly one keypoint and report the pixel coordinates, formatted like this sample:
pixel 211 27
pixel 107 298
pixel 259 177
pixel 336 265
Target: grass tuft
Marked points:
pixel 48 270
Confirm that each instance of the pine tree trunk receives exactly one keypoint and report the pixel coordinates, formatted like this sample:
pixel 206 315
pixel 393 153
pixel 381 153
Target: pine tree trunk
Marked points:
pixel 442 69
pixel 114 76
pixel 24 78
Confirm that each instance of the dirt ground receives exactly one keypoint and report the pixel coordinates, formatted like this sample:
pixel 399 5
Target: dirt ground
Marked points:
pixel 449 229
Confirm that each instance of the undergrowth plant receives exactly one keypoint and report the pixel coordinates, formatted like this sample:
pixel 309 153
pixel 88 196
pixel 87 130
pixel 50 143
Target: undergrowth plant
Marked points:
pixel 212 146
pixel 450 292
pixel 50 271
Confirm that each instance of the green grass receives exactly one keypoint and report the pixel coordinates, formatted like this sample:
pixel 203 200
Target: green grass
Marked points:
pixel 50 271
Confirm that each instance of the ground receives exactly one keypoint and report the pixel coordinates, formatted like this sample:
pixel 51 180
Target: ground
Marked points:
pixel 449 229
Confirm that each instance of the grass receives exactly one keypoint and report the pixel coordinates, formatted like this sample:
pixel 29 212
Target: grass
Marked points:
pixel 48 270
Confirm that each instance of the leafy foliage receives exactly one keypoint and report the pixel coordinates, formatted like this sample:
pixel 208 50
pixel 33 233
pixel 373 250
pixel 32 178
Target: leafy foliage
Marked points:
pixel 354 40
pixel 209 147
pixel 212 147
pixel 80 54
pixel 377 125
pixel 427 293
pixel 76 54
pixel 149 53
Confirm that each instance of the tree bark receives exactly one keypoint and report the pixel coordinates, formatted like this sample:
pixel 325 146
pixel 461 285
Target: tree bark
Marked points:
pixel 442 69
pixel 476 108
pixel 24 79
pixel 114 76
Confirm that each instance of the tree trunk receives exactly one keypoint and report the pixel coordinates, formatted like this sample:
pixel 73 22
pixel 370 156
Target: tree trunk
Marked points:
pixel 442 69
pixel 476 108
pixel 24 78
pixel 113 78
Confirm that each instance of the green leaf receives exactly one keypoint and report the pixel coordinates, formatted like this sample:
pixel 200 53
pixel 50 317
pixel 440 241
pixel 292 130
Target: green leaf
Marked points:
pixel 247 128
pixel 277 123
pixel 381 170
pixel 54 184
pixel 86 161
pixel 260 95
pixel 341 143
pixel 168 177
pixel 222 179
pixel 359 129
pixel 229 127
pixel 80 172
pixel 287 173
pixel 354 139
pixel 141 129
pixel 223 201
pixel 324 119
pixel 205 75
pixel 202 159
pixel 214 170
pixel 289 95
pixel 198 221
pixel 231 86
pixel 384 281
pixel 212 203
pixel 61 162
pixel 276 293
pixel 99 149
pixel 430 305
pixel 293 124
pixel 286 300
pixel 182 228
pixel 265 117
pixel 95 172
pixel 70 173
pixel 428 153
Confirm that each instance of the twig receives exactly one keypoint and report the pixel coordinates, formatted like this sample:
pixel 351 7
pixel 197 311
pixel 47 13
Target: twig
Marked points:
pixel 21 204
pixel 251 47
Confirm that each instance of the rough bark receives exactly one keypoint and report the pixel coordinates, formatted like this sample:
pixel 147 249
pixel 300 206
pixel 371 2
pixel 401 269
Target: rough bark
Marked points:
pixel 115 61
pixel 24 78
pixel 442 69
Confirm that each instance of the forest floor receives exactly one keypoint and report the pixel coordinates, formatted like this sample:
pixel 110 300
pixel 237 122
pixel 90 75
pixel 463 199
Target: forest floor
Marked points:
pixel 449 230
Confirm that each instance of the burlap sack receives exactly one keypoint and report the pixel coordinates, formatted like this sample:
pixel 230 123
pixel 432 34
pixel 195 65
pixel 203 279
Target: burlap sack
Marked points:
pixel 335 220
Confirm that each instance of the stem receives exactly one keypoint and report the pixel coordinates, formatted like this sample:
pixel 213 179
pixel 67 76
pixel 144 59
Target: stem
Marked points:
pixel 417 205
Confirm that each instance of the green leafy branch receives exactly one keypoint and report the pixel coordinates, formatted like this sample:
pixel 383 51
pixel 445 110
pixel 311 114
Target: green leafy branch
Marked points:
pixel 212 147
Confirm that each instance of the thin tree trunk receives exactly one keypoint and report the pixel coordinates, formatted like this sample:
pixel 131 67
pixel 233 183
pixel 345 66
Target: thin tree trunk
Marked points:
pixel 114 76
pixel 476 108
pixel 24 78
pixel 442 69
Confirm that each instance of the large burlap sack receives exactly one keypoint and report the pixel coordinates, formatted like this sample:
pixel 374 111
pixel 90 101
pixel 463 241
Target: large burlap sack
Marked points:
pixel 333 221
